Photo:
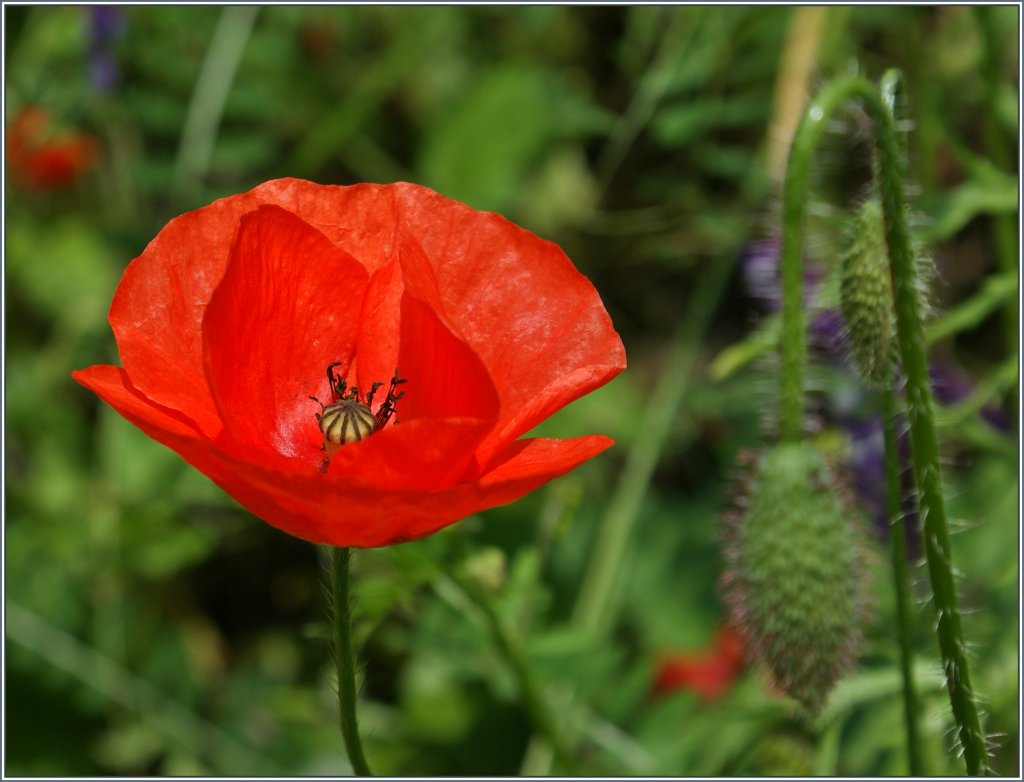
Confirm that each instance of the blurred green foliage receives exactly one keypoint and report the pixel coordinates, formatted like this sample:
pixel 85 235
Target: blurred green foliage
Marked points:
pixel 153 627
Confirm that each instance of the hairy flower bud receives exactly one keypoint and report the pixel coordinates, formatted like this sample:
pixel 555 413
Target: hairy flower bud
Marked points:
pixel 865 295
pixel 796 580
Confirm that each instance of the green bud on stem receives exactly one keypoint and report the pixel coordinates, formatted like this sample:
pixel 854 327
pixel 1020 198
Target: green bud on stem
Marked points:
pixel 796 581
pixel 865 295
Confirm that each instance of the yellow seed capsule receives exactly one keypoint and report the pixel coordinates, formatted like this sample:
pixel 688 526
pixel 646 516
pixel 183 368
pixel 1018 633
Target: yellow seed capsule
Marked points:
pixel 345 421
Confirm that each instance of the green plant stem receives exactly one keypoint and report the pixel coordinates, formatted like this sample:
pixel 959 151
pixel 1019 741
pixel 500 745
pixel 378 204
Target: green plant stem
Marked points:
pixel 792 335
pixel 901 582
pixel 893 95
pixel 533 698
pixel 680 29
pixel 910 334
pixel 344 660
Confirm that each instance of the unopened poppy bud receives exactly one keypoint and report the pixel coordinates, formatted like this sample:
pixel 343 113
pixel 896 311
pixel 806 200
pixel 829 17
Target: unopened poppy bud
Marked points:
pixel 865 295
pixel 796 581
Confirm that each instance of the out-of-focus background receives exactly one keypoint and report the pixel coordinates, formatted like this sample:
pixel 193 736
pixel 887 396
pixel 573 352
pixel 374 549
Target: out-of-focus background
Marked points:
pixel 154 627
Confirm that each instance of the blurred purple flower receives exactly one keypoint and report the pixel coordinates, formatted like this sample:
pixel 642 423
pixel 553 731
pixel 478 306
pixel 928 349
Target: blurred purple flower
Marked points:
pixel 760 266
pixel 106 23
pixel 867 470
pixel 827 332
pixel 867 463
pixel 867 450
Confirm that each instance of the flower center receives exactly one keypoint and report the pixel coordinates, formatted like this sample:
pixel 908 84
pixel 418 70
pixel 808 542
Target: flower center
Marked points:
pixel 348 419
pixel 345 421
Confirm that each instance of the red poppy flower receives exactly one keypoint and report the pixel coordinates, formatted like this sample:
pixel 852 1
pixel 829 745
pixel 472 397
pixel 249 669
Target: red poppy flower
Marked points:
pixel 708 673
pixel 228 320
pixel 40 161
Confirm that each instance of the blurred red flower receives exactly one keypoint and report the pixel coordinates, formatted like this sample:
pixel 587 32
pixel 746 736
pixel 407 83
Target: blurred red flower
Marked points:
pixel 229 318
pixel 40 160
pixel 709 673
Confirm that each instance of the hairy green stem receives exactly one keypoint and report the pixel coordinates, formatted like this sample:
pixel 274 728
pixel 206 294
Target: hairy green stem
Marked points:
pixel 901 582
pixel 910 334
pixel 345 660
pixel 792 336
pixel 892 93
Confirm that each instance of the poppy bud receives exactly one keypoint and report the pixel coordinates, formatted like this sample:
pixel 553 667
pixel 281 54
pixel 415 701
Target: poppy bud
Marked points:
pixel 795 581
pixel 865 295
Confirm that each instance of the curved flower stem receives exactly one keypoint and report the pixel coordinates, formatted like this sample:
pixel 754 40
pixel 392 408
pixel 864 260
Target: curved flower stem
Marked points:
pixel 892 93
pixel 344 660
pixel 910 334
pixel 901 581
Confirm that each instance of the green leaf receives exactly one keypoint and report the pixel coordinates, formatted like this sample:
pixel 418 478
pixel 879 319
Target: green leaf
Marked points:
pixel 742 353
pixel 988 192
pixel 995 291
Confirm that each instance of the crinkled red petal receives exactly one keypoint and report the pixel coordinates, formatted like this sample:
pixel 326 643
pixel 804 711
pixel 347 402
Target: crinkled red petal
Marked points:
pixel 158 308
pixel 287 307
pixel 535 322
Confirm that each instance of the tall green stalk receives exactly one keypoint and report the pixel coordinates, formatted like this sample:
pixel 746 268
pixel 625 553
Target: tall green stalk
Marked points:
pixel 901 582
pixel 910 335
pixel 345 660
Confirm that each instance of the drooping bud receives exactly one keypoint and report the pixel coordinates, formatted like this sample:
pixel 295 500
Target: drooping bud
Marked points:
pixel 796 580
pixel 865 295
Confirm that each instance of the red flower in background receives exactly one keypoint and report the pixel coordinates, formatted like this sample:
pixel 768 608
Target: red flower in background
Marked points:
pixel 40 160
pixel 228 320
pixel 708 673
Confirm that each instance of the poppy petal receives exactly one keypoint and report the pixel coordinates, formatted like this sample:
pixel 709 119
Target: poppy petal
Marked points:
pixel 112 385
pixel 336 512
pixel 287 306
pixel 403 326
pixel 424 455
pixel 448 405
pixel 557 342
pixel 158 308
pixel 351 515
